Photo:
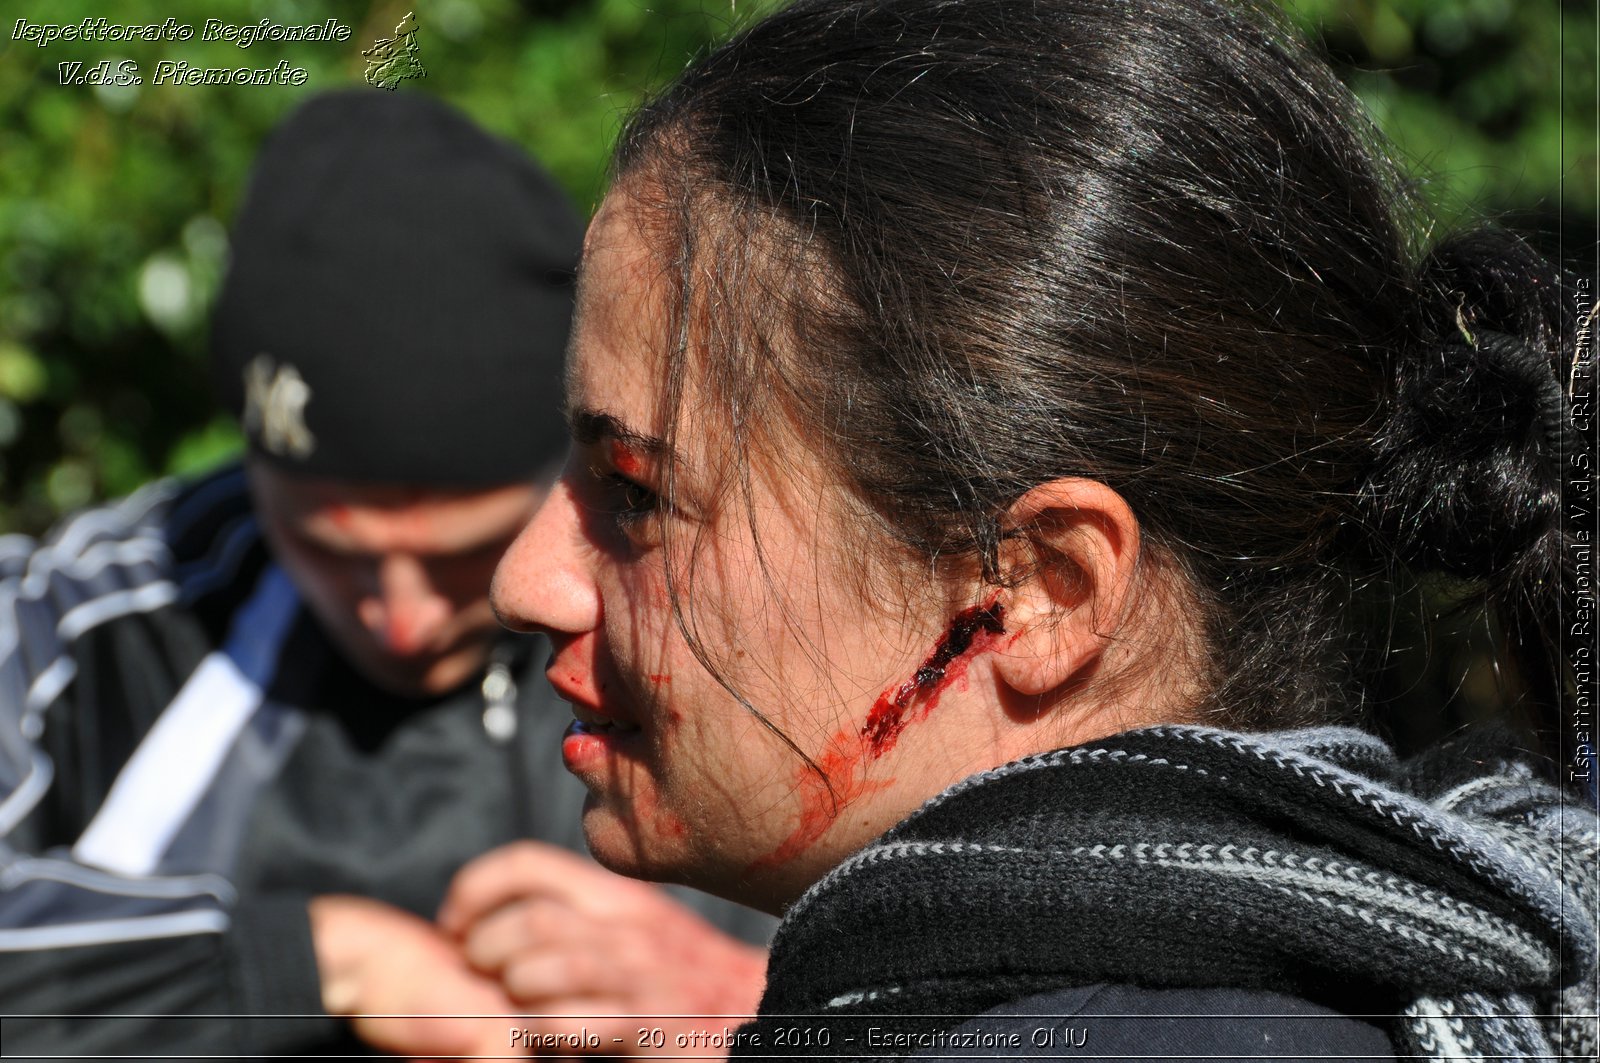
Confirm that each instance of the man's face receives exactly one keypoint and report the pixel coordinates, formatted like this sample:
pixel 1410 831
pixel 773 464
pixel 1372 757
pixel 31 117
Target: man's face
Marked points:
pixel 398 575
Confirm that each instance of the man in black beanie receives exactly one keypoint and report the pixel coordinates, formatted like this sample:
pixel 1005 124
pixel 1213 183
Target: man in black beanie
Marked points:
pixel 251 728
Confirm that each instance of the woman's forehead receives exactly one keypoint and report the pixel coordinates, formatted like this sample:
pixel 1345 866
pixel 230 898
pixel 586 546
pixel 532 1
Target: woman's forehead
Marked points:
pixel 614 361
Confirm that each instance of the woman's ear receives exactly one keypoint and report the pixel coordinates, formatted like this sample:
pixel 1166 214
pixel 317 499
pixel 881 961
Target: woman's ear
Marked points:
pixel 1075 545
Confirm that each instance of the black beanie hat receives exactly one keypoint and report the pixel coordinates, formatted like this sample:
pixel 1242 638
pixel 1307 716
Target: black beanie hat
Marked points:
pixel 397 304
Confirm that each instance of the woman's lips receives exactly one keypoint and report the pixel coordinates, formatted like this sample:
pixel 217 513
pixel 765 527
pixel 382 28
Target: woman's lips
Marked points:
pixel 588 716
pixel 596 734
pixel 586 745
pixel 595 720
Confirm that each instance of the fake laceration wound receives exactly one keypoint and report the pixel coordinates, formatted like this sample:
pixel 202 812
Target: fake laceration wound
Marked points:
pixel 836 778
pixel 972 631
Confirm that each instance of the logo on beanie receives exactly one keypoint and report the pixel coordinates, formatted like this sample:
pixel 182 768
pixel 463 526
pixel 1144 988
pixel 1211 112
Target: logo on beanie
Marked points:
pixel 275 398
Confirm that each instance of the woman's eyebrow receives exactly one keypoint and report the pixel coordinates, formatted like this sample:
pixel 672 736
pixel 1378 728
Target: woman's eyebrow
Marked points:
pixel 591 426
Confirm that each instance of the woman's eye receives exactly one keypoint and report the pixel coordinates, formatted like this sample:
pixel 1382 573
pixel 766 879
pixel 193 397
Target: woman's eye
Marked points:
pixel 628 508
pixel 635 502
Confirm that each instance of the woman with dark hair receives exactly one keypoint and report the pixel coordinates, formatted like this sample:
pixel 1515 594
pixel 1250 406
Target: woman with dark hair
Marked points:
pixel 987 417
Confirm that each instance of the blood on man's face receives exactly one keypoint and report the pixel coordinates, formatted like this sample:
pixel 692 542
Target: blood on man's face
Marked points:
pixel 397 575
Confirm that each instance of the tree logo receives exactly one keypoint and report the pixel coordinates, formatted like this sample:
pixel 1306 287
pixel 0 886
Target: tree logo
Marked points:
pixel 275 398
pixel 393 59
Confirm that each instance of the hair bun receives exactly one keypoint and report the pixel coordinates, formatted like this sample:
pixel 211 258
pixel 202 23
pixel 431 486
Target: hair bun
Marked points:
pixel 1527 368
pixel 1467 475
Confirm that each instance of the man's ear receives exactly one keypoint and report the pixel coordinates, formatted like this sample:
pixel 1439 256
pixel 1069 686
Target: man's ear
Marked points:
pixel 1075 544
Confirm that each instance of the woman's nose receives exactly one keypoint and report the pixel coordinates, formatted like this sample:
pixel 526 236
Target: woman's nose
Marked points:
pixel 545 582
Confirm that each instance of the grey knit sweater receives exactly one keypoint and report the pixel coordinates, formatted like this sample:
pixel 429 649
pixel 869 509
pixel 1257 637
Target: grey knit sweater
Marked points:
pixel 1454 894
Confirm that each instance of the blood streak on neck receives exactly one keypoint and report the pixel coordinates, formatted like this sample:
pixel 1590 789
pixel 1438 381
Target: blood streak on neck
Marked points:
pixel 839 780
pixel 838 767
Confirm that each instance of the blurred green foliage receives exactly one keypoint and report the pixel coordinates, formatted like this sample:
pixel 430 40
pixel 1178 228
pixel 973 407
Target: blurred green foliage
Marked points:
pixel 114 200
pixel 1491 102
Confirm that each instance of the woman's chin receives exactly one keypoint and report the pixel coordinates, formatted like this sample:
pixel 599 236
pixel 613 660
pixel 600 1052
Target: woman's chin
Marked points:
pixel 644 847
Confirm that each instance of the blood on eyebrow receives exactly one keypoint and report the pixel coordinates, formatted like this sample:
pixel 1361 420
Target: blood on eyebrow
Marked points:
pixel 626 460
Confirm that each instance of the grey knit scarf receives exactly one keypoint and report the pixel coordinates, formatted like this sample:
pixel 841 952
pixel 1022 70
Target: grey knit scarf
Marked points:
pixel 1455 893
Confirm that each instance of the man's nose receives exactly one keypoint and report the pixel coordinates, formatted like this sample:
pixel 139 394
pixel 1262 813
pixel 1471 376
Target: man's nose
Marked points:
pixel 404 610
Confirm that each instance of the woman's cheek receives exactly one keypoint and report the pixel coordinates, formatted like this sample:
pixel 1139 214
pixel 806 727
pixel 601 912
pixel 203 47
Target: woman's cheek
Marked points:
pixel 638 596
pixel 635 610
